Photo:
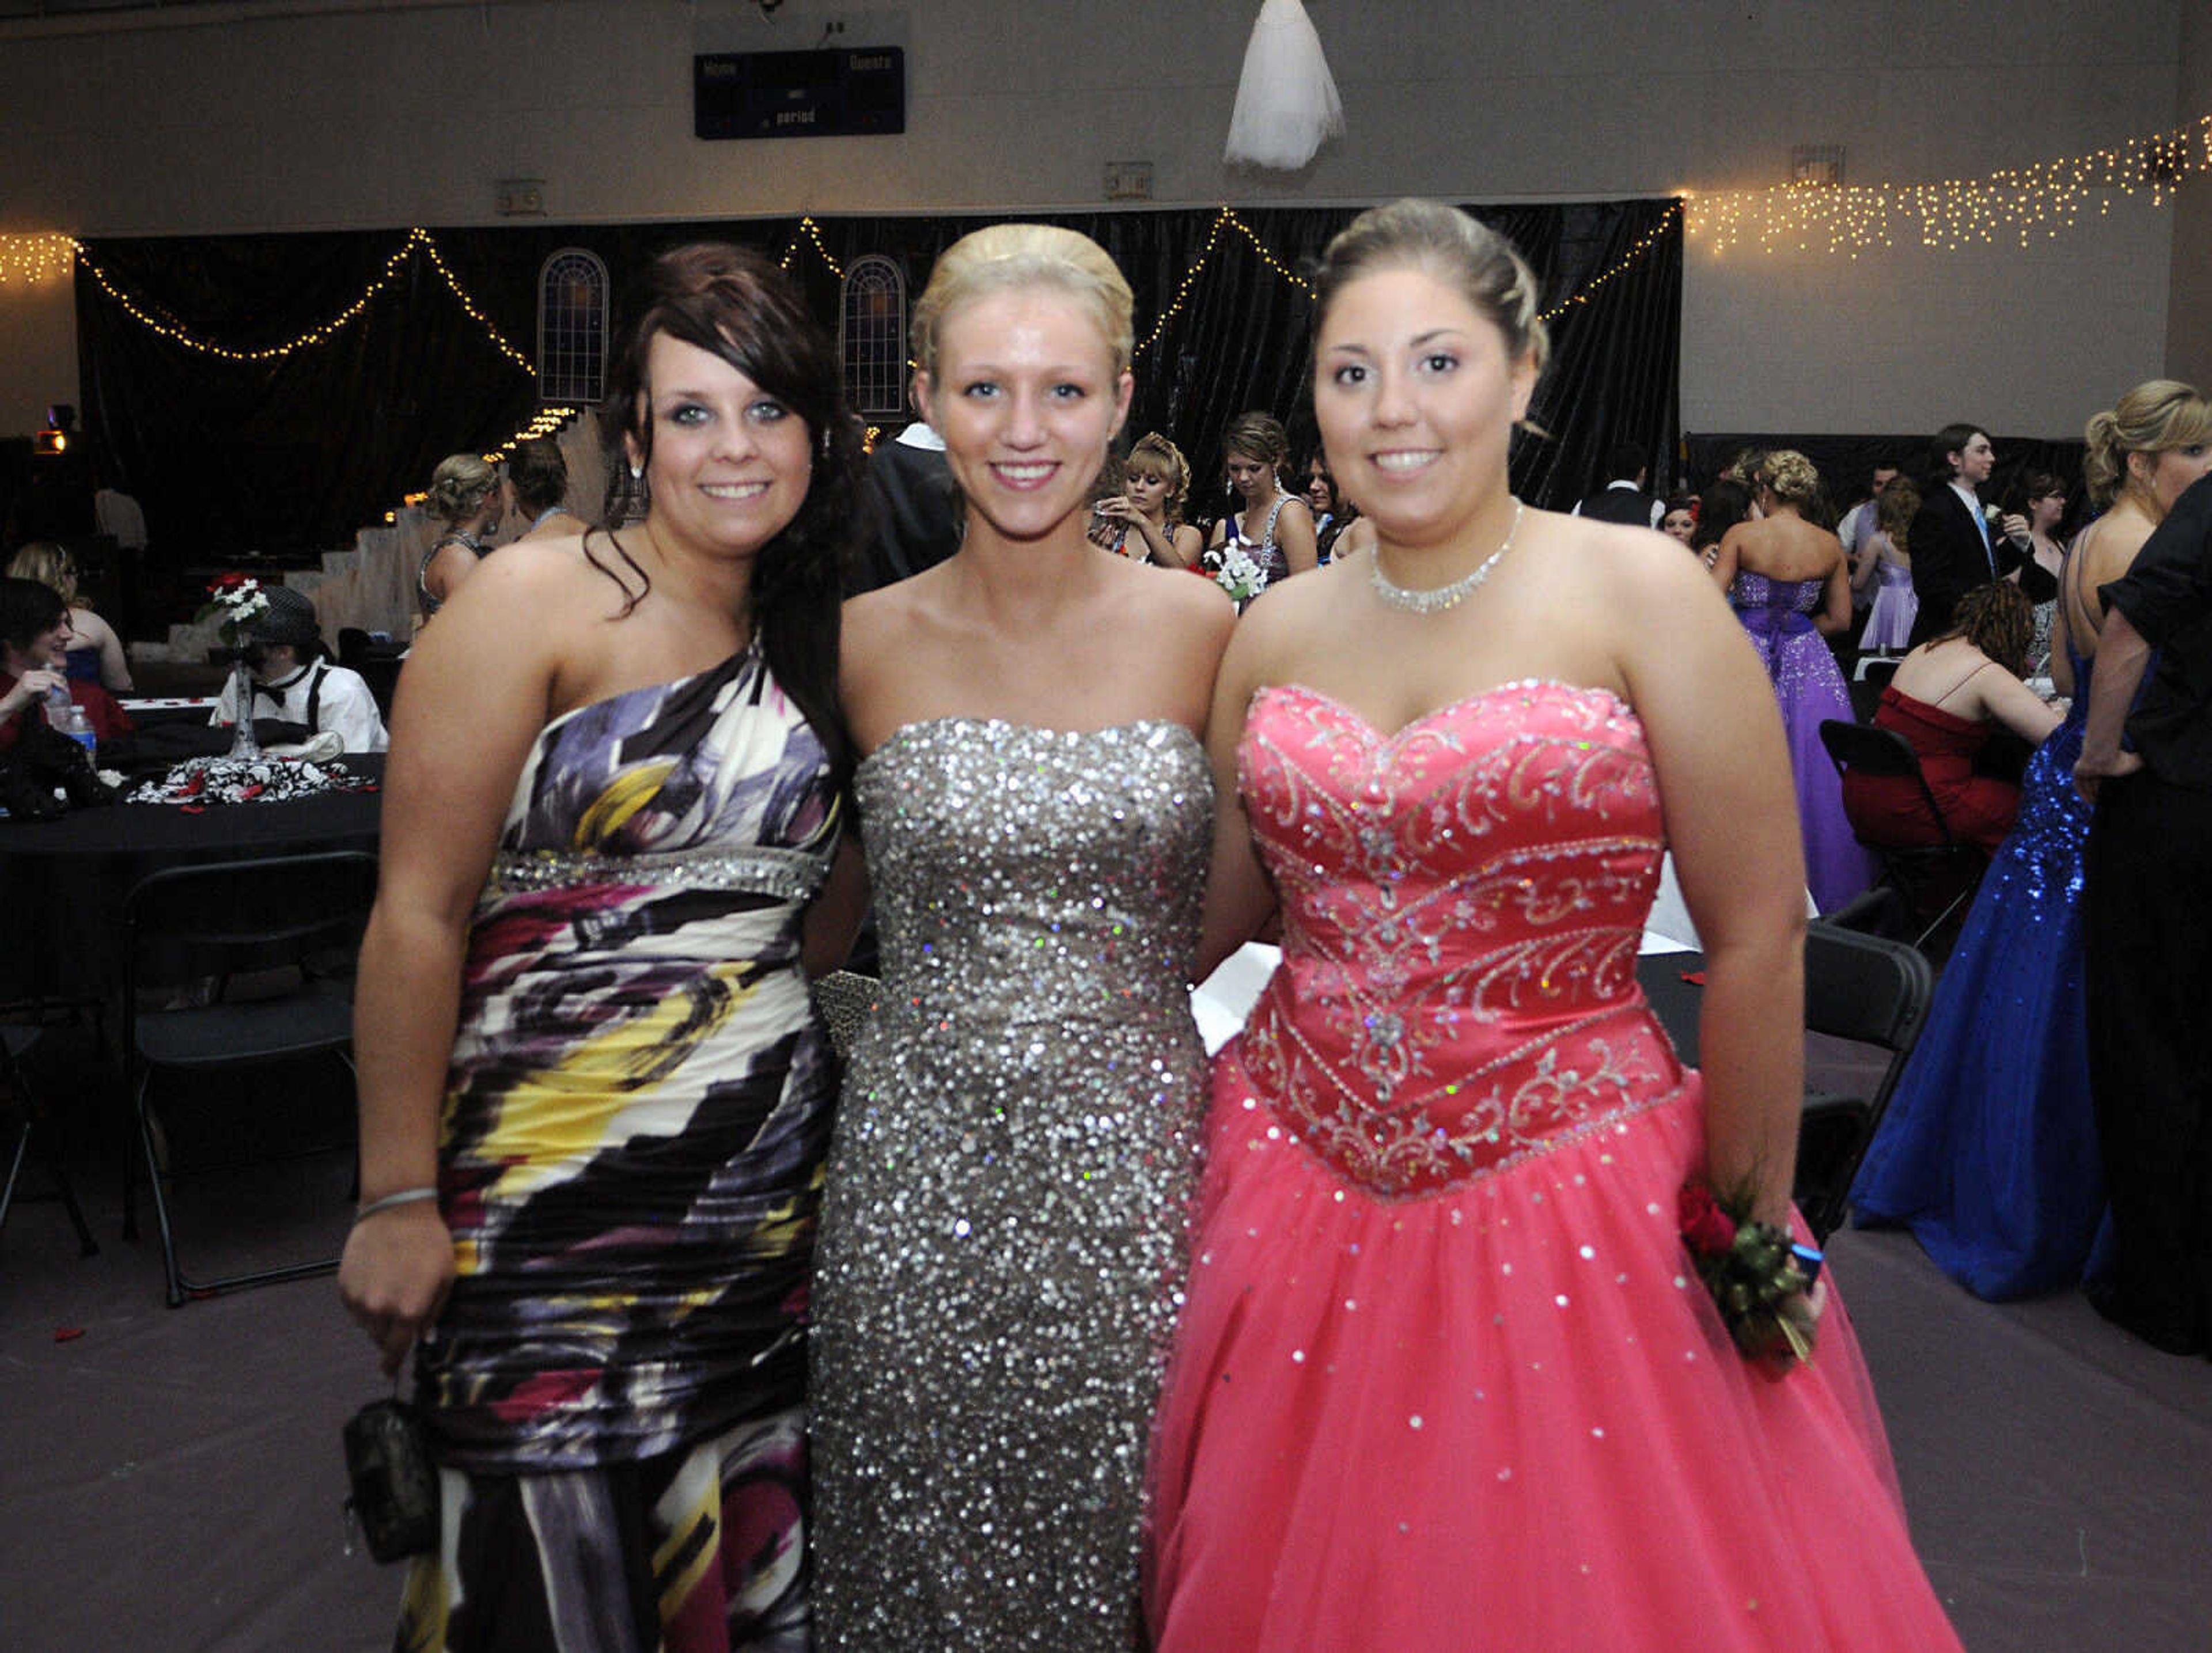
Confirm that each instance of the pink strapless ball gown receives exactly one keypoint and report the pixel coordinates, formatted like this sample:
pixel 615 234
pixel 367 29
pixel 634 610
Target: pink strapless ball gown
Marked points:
pixel 1444 1380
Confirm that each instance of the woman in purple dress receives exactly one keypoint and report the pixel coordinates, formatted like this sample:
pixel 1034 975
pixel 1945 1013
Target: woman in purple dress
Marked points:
pixel 1790 584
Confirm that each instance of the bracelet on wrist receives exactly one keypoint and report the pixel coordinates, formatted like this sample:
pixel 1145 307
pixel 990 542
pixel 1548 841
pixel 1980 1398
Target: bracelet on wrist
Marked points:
pixel 393 1201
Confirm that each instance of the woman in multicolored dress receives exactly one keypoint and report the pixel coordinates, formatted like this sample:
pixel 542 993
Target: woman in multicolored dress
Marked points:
pixel 595 1101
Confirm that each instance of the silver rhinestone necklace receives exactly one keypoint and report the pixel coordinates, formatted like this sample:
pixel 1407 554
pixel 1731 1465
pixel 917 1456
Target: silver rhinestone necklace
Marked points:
pixel 1444 597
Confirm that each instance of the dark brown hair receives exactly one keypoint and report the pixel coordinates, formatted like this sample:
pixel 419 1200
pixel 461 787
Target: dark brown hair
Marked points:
pixel 1998 619
pixel 738 305
pixel 539 474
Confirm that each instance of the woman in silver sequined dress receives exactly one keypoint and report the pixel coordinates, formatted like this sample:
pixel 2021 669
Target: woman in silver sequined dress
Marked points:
pixel 1004 1239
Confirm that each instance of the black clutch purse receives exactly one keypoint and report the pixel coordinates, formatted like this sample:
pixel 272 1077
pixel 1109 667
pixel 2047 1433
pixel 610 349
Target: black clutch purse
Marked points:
pixel 394 1499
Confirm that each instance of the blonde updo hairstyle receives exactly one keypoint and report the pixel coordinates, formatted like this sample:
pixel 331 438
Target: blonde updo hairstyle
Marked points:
pixel 1004 256
pixel 1156 456
pixel 460 487
pixel 2156 414
pixel 1791 477
pixel 1462 253
pixel 50 565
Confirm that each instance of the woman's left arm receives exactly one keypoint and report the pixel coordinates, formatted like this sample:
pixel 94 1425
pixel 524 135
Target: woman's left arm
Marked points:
pixel 1730 809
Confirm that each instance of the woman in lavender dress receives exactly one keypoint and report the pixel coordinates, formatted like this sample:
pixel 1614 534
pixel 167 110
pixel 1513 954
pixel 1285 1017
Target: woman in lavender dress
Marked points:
pixel 1790 585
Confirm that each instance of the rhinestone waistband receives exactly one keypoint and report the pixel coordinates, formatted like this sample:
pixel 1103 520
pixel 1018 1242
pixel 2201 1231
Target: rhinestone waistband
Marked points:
pixel 786 874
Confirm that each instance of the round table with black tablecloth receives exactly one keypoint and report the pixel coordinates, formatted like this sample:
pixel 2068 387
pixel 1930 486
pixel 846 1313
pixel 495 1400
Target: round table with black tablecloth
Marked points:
pixel 63 883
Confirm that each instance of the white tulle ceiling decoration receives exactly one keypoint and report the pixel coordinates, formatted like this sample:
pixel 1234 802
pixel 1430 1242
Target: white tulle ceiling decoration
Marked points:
pixel 1286 101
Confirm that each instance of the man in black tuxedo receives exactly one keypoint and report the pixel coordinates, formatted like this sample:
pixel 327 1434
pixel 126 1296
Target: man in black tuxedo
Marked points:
pixel 917 508
pixel 1623 499
pixel 1954 545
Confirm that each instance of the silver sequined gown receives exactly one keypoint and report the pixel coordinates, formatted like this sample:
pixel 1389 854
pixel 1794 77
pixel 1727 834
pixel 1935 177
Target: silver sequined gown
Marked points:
pixel 1005 1236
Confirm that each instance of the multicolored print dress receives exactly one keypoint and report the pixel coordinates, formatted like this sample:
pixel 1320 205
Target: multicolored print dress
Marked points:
pixel 630 1161
pixel 1445 1380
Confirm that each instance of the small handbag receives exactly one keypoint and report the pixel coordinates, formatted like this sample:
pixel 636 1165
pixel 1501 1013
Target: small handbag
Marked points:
pixel 394 1499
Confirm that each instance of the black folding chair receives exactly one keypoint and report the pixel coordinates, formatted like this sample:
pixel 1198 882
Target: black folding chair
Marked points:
pixel 1922 873
pixel 293 924
pixel 16 1097
pixel 1871 990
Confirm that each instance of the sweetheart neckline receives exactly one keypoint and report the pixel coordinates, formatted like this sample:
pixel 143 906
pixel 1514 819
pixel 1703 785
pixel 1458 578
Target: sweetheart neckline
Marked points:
pixel 1374 730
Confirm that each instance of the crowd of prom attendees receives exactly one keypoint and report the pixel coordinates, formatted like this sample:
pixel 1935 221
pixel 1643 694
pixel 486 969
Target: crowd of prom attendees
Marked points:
pixel 1027 1324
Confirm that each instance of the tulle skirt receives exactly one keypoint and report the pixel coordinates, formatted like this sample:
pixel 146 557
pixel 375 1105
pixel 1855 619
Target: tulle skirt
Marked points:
pixel 1504 1417
pixel 1287 100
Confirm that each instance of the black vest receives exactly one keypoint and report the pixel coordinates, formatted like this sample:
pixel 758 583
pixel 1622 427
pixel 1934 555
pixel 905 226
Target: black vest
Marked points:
pixel 1630 505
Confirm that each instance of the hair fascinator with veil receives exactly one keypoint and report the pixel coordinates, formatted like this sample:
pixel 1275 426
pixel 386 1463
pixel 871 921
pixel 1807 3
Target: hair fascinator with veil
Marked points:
pixel 1286 101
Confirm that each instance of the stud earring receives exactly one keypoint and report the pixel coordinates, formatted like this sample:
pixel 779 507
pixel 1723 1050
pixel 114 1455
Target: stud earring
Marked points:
pixel 637 473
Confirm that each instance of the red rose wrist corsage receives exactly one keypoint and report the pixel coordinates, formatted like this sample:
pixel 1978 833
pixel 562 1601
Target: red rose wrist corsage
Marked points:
pixel 1758 1278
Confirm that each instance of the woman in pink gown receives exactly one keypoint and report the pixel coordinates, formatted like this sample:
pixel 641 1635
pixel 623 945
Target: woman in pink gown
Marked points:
pixel 1446 1377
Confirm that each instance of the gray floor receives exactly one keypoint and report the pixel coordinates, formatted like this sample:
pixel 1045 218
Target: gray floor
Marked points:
pixel 171 1479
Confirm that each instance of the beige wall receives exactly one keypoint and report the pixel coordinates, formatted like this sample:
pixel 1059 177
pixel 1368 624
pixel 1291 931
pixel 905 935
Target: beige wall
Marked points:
pixel 342 117
pixel 2189 316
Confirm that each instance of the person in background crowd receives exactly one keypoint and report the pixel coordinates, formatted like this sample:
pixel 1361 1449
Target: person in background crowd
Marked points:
pixel 1680 521
pixel 1989 1149
pixel 34 638
pixel 2148 898
pixel 537 483
pixel 96 653
pixel 1269 524
pixel 1155 489
pixel 915 510
pixel 1955 545
pixel 1787 581
pixel 1861 516
pixel 595 1096
pixel 1947 696
pixel 2039 501
pixel 466 499
pixel 295 686
pixel 1724 503
pixel 1623 499
pixel 1884 567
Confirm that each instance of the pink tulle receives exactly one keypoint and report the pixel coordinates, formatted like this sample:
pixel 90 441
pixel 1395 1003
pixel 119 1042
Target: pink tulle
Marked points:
pixel 1505 1416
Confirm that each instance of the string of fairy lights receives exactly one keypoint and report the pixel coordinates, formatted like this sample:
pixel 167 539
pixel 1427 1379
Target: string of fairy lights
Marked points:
pixel 2041 200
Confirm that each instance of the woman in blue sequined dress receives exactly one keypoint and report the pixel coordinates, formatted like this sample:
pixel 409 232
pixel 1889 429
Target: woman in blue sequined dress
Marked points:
pixel 1989 1150
pixel 595 1099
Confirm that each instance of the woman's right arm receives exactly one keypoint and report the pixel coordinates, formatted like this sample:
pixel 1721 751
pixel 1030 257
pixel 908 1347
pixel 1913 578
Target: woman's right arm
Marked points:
pixel 447 785
pixel 114 664
pixel 2013 704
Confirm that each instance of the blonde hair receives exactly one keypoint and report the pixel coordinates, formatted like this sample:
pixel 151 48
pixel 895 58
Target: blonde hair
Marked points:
pixel 2155 415
pixel 1790 476
pixel 1007 256
pixel 50 564
pixel 460 486
pixel 1157 455
pixel 1460 251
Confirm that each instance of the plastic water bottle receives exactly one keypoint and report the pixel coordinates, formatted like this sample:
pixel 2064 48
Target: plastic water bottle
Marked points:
pixel 66 715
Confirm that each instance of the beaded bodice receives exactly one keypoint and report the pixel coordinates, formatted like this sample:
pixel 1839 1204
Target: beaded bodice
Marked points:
pixel 1462 902
pixel 1756 591
pixel 1025 875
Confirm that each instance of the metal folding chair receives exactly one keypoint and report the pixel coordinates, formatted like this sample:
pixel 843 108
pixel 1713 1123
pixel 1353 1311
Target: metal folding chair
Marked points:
pixel 285 919
pixel 1922 873
pixel 1871 990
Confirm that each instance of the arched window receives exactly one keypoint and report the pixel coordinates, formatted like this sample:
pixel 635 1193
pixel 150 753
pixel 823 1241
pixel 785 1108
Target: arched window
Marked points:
pixel 572 328
pixel 872 339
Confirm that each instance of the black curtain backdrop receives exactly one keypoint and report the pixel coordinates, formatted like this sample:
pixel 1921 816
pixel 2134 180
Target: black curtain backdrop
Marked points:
pixel 291 456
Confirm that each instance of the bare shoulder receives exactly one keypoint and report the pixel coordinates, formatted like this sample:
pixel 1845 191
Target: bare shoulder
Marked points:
pixel 1637 566
pixel 1174 596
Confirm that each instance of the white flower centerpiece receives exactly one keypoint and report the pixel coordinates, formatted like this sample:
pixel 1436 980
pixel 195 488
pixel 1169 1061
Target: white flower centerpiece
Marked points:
pixel 233 600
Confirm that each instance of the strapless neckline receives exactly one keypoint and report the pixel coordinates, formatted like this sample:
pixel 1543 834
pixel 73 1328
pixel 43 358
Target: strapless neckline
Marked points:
pixel 907 733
